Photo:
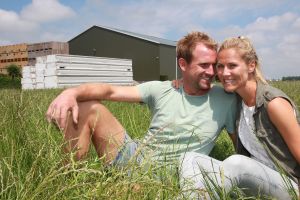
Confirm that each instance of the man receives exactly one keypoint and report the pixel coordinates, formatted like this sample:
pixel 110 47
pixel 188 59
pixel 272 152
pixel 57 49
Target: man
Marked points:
pixel 186 119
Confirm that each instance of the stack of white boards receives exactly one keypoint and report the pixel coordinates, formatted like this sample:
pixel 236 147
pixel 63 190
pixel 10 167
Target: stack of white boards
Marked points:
pixel 60 71
pixel 28 77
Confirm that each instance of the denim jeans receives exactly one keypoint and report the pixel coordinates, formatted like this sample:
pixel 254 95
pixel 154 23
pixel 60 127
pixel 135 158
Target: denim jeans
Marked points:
pixel 246 173
pixel 127 152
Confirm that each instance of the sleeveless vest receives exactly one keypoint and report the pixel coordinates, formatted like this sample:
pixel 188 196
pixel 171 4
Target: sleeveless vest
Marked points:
pixel 268 134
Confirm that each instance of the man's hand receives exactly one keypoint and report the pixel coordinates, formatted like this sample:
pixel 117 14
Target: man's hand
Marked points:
pixel 177 83
pixel 58 109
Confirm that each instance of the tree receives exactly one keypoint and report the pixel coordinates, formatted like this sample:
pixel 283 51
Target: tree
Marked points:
pixel 291 78
pixel 13 71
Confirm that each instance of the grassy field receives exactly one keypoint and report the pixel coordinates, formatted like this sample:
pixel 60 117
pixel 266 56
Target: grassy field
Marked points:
pixel 31 164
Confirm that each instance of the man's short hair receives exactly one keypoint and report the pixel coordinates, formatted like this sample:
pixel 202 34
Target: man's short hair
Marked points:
pixel 187 44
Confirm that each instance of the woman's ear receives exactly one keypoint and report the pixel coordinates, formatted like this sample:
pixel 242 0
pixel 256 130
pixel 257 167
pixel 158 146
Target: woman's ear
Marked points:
pixel 251 66
pixel 182 64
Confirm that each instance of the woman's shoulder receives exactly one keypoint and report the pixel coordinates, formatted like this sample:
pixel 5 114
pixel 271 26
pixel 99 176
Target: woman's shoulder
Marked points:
pixel 270 92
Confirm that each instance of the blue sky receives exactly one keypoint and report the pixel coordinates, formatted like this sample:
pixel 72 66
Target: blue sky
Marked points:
pixel 272 25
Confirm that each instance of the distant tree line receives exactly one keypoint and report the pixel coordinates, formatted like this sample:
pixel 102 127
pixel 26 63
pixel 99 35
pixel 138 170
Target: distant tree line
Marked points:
pixel 290 78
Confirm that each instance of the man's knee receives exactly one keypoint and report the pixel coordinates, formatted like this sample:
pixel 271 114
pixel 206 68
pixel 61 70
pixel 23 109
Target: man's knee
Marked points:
pixel 90 109
pixel 90 106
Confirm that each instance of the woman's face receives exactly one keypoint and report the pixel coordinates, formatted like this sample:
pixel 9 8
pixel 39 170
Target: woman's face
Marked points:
pixel 232 70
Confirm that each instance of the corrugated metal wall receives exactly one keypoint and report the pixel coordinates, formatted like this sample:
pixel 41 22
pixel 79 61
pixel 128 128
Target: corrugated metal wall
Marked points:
pixel 145 55
pixel 167 58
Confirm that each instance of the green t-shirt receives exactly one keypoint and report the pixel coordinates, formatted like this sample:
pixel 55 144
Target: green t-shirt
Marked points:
pixel 181 122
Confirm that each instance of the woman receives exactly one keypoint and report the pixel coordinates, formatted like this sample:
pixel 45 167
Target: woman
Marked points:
pixel 267 126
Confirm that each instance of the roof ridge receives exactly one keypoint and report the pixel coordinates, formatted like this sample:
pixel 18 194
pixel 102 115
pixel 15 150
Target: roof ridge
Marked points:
pixel 142 36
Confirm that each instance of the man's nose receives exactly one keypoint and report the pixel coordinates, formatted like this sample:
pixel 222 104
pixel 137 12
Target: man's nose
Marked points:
pixel 211 69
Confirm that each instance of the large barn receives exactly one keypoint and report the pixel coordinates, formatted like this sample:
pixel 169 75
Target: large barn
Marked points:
pixel 152 58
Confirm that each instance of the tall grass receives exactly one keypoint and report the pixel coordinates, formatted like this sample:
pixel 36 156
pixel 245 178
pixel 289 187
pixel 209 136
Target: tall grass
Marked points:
pixel 31 159
pixel 291 88
pixel 31 165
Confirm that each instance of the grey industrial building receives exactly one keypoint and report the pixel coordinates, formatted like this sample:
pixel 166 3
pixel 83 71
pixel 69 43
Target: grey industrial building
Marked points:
pixel 152 58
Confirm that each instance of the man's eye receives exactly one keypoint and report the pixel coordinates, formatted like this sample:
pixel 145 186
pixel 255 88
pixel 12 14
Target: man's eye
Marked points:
pixel 205 65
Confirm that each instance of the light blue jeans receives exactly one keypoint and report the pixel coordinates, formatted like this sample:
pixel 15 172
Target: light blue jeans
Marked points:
pixel 246 173
pixel 127 152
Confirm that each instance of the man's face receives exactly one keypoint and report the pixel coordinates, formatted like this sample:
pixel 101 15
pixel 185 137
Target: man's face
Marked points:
pixel 199 73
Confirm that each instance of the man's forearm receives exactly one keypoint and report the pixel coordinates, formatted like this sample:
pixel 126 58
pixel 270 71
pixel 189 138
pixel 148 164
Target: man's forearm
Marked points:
pixel 103 91
pixel 89 91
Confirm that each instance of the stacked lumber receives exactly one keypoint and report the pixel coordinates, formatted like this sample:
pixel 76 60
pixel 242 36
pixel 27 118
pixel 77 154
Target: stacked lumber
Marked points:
pixel 60 71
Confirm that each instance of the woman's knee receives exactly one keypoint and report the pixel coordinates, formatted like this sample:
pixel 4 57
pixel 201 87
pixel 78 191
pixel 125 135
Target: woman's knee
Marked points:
pixel 239 165
pixel 191 158
pixel 236 160
pixel 198 162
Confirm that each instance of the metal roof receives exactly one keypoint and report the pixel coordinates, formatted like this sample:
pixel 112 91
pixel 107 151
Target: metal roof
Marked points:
pixel 137 35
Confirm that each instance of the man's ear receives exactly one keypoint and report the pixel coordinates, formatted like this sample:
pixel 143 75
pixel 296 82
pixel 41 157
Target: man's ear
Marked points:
pixel 182 64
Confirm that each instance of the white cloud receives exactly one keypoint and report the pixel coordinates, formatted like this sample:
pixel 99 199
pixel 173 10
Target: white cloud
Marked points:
pixel 296 24
pixel 11 22
pixel 278 43
pixel 14 29
pixel 50 36
pixel 46 11
pixel 272 23
pixel 291 38
pixel 275 64
pixel 28 26
pixel 161 17
pixel 276 39
pixel 289 46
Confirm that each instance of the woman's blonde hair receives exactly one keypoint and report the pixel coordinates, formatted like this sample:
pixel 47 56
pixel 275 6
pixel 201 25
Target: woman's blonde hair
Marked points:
pixel 247 52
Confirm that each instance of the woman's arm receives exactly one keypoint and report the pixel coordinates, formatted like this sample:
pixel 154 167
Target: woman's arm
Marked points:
pixel 283 117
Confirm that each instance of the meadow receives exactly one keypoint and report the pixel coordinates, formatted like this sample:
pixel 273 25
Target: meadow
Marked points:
pixel 32 165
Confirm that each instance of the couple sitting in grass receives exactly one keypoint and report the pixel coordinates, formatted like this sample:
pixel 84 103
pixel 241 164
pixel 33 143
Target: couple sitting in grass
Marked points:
pixel 189 115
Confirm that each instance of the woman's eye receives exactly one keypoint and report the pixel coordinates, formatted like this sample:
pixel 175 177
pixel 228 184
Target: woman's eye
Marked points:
pixel 231 66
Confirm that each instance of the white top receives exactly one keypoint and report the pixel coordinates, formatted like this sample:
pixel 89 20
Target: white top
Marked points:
pixel 249 139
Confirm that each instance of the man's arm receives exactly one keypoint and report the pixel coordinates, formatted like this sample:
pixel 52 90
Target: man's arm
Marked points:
pixel 69 98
